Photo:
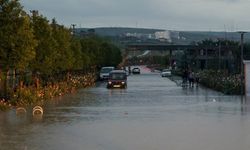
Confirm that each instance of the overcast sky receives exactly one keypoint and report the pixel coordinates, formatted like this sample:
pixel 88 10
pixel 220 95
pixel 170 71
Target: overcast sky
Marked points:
pixel 195 15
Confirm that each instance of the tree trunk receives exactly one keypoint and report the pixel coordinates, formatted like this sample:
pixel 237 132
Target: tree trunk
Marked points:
pixel 6 85
pixel 13 79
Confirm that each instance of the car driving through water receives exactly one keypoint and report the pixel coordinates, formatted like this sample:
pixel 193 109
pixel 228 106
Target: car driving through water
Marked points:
pixel 117 79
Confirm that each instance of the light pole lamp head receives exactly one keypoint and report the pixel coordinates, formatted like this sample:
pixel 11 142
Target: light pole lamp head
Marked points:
pixel 241 36
pixel 241 32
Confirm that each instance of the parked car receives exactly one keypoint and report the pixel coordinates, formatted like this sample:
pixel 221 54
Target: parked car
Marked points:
pixel 117 79
pixel 104 73
pixel 166 73
pixel 136 71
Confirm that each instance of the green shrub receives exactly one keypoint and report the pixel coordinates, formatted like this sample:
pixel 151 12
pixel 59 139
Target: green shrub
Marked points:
pixel 221 81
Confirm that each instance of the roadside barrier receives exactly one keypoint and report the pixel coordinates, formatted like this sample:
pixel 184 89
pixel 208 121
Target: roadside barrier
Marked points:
pixel 21 110
pixel 37 110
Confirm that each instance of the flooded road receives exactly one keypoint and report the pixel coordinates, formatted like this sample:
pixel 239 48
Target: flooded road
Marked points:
pixel 153 113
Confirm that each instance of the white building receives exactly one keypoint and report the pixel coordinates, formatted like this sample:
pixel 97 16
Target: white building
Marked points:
pixel 160 35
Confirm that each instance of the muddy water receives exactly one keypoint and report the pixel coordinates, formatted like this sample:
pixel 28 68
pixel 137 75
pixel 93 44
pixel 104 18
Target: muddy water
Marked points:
pixel 151 114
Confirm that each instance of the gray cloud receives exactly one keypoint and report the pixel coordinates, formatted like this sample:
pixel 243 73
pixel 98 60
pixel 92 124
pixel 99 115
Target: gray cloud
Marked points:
pixel 166 14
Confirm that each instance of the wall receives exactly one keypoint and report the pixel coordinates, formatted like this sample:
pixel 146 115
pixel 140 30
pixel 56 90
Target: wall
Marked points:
pixel 247 77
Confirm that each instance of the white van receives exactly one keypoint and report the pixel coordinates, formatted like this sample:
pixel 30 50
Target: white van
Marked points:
pixel 104 73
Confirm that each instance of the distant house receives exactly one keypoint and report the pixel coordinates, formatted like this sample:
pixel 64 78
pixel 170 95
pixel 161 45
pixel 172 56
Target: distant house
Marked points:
pixel 163 36
pixel 212 58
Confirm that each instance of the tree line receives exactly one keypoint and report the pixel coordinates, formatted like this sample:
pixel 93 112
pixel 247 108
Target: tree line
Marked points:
pixel 32 43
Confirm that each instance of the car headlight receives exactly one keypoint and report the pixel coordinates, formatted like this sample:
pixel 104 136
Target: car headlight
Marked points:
pixel 109 82
pixel 123 82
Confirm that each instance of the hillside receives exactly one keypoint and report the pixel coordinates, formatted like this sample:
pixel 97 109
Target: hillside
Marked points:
pixel 176 37
pixel 189 36
pixel 117 31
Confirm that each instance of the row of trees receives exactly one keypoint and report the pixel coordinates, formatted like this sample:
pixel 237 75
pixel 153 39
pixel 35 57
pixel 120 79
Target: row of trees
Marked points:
pixel 33 43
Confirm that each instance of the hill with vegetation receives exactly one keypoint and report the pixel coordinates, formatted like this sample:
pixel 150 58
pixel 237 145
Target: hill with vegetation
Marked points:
pixel 188 37
pixel 117 31
pixel 177 37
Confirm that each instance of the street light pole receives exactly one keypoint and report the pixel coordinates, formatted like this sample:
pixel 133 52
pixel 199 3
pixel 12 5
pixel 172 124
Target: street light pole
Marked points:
pixel 73 28
pixel 219 55
pixel 241 60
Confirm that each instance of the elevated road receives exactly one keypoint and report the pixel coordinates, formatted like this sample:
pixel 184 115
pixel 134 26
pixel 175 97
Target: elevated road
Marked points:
pixel 159 47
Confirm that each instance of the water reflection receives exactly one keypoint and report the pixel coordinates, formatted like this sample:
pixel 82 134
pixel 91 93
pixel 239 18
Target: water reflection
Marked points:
pixel 37 118
pixel 245 105
pixel 117 91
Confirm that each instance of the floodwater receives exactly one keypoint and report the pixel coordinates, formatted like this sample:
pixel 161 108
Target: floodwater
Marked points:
pixel 153 113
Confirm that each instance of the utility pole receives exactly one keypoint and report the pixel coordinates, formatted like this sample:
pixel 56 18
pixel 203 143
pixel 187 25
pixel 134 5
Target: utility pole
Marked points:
pixel 219 55
pixel 73 28
pixel 241 60
pixel 206 58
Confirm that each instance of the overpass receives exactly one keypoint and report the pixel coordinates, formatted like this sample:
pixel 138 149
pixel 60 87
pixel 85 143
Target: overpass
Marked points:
pixel 203 56
pixel 138 49
pixel 158 47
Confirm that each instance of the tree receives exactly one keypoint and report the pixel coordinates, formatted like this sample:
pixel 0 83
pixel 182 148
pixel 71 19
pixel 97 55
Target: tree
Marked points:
pixel 17 42
pixel 101 52
pixel 76 48
pixel 89 49
pixel 64 59
pixel 45 50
